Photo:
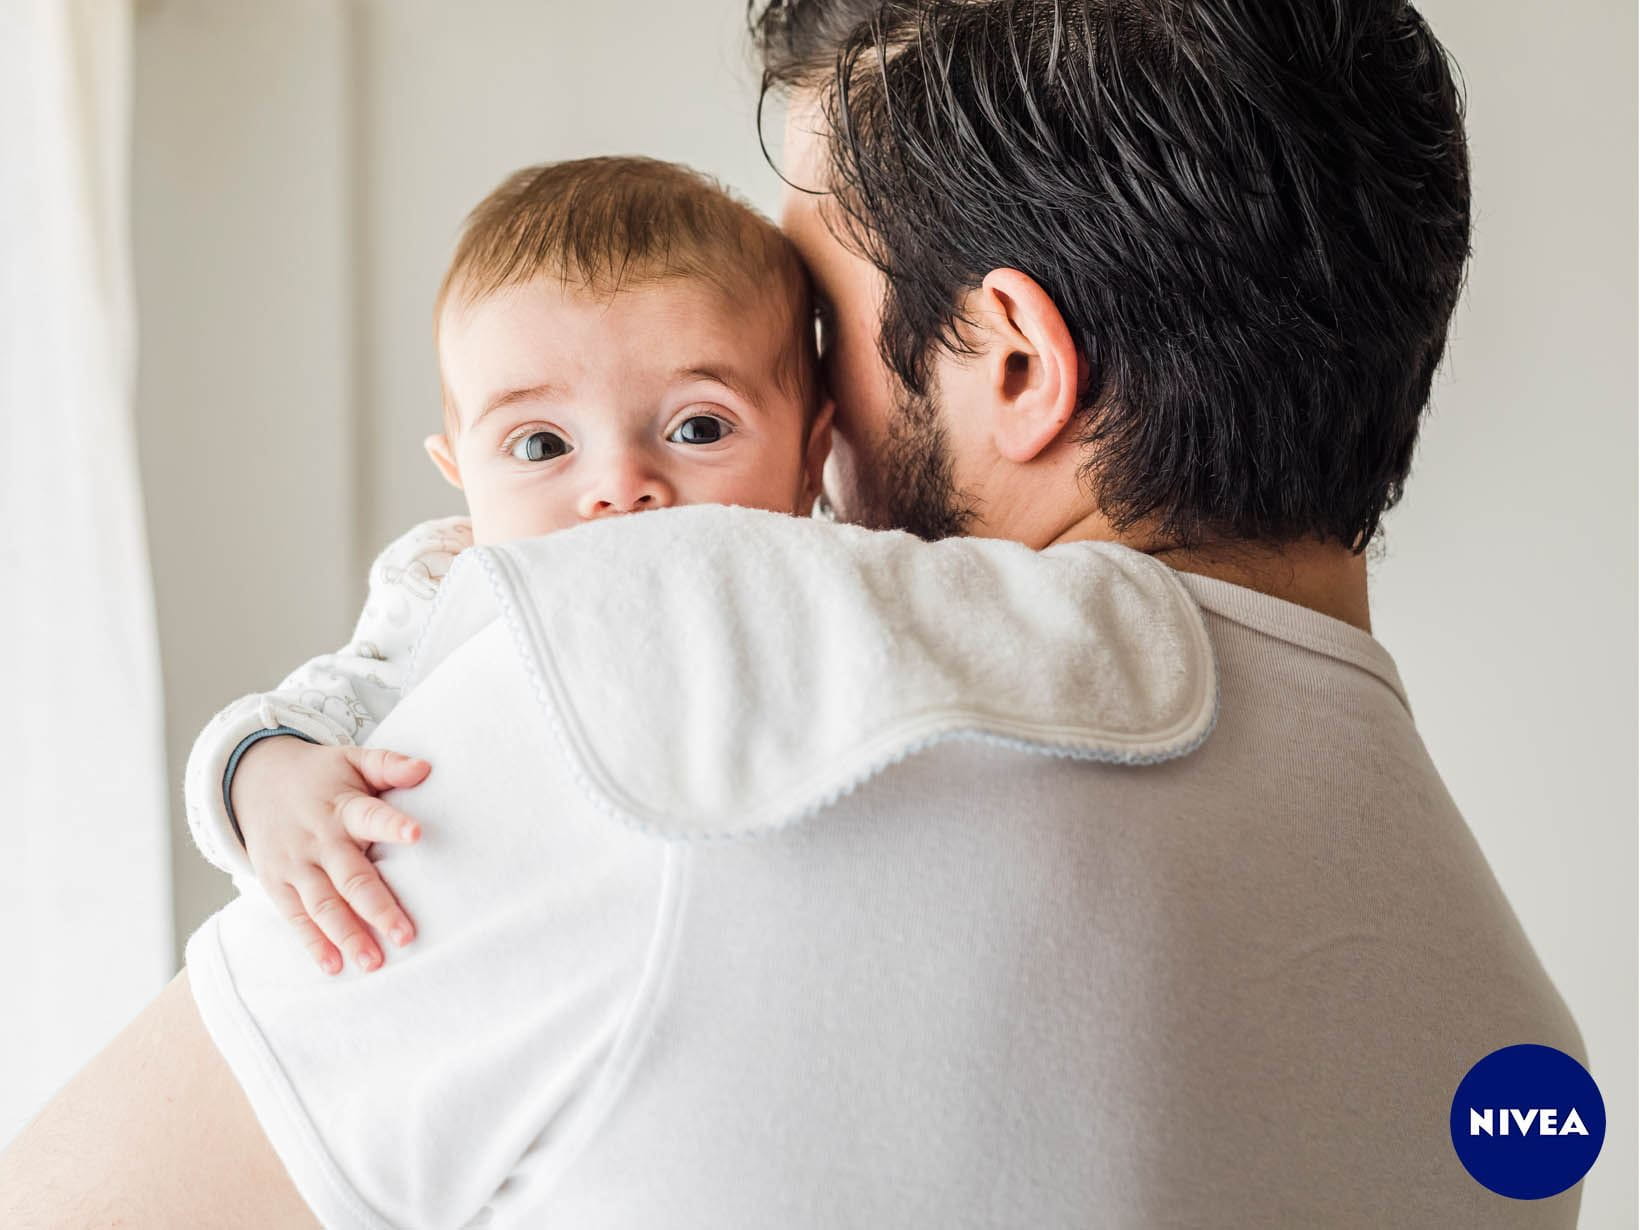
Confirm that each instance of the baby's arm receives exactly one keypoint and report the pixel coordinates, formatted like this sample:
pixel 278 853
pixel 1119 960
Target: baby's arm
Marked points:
pixel 334 701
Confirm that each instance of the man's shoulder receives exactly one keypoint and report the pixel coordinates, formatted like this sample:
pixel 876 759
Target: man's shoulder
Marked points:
pixel 713 670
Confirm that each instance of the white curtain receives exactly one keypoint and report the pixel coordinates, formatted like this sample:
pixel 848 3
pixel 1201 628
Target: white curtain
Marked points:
pixel 85 930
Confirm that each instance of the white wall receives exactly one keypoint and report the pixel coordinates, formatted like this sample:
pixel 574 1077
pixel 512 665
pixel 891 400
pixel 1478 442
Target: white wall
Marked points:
pixel 1507 594
pixel 303 165
pixel 241 195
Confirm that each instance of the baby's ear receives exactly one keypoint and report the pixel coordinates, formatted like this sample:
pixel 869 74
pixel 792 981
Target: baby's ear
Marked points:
pixel 438 448
pixel 817 449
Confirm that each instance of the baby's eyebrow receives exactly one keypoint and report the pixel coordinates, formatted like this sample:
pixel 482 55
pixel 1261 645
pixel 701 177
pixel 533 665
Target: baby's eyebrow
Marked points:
pixel 508 397
pixel 722 373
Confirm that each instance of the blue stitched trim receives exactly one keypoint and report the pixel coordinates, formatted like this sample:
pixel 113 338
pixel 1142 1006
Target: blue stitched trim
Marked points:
pixel 245 745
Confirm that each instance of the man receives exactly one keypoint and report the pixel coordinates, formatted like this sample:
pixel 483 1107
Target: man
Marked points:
pixel 1170 278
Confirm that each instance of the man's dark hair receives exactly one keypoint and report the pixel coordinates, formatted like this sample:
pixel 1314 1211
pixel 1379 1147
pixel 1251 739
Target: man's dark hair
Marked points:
pixel 1253 215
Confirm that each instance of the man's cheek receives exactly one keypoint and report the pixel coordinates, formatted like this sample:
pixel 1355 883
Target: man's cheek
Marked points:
pixel 858 390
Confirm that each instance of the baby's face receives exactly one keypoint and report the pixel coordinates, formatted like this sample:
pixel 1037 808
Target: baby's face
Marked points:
pixel 572 407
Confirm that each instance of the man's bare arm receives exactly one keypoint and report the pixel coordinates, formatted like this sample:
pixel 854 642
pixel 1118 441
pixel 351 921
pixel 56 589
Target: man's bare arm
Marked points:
pixel 153 1132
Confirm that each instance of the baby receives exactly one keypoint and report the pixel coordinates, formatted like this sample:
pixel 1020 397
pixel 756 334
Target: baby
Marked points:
pixel 614 335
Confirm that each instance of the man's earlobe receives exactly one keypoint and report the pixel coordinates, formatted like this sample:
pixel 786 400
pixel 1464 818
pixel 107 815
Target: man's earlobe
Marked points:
pixel 1032 364
pixel 444 459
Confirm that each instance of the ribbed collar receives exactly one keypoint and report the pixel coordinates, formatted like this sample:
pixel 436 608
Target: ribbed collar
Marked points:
pixel 1298 625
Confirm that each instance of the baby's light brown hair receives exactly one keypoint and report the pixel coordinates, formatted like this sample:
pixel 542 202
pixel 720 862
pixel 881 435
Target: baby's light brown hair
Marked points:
pixel 611 224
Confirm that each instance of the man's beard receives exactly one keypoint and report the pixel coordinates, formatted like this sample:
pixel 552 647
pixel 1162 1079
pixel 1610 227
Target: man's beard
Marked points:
pixel 908 482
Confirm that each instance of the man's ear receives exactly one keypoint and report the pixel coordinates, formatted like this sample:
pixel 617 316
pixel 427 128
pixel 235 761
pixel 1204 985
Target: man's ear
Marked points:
pixel 438 448
pixel 816 451
pixel 1030 361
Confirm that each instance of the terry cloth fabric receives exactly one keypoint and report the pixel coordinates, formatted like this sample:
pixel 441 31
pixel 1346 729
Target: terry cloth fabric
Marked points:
pixel 729 671
pixel 1035 944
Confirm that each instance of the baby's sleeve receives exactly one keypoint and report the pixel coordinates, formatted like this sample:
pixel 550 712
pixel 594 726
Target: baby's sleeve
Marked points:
pixel 336 699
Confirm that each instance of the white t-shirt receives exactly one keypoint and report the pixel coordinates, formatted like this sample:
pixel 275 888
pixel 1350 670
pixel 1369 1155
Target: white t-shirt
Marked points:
pixel 776 873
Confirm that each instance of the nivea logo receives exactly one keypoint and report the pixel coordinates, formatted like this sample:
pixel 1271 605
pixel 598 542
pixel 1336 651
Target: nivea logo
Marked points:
pixel 1539 1119
pixel 1528 1121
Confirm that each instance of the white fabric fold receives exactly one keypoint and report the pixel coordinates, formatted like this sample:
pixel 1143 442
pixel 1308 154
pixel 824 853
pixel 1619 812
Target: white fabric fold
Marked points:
pixel 797 658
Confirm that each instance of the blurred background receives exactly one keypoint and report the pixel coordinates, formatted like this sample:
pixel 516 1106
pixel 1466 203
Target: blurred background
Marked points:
pixel 224 222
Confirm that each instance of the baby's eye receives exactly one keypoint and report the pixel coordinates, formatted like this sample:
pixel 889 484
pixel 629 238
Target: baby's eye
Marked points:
pixel 700 429
pixel 539 446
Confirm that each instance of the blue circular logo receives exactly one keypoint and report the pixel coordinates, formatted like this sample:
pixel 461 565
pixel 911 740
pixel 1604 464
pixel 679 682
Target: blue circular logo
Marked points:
pixel 1528 1121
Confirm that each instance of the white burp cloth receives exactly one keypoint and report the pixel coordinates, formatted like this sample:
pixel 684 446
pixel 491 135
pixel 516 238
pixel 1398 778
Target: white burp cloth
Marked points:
pixel 715 671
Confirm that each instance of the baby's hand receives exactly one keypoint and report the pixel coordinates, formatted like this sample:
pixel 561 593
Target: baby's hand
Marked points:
pixel 308 812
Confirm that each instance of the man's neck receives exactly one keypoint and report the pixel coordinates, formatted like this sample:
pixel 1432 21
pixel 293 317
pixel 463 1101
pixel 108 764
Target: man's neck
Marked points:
pixel 1324 577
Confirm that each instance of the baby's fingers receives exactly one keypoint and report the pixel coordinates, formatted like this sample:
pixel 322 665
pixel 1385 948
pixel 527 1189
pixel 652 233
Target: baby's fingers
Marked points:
pixel 385 770
pixel 366 819
pixel 365 890
pixel 335 917
pixel 289 904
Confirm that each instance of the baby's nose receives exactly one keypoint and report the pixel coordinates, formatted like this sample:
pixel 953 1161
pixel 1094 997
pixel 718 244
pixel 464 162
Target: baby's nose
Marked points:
pixel 626 491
